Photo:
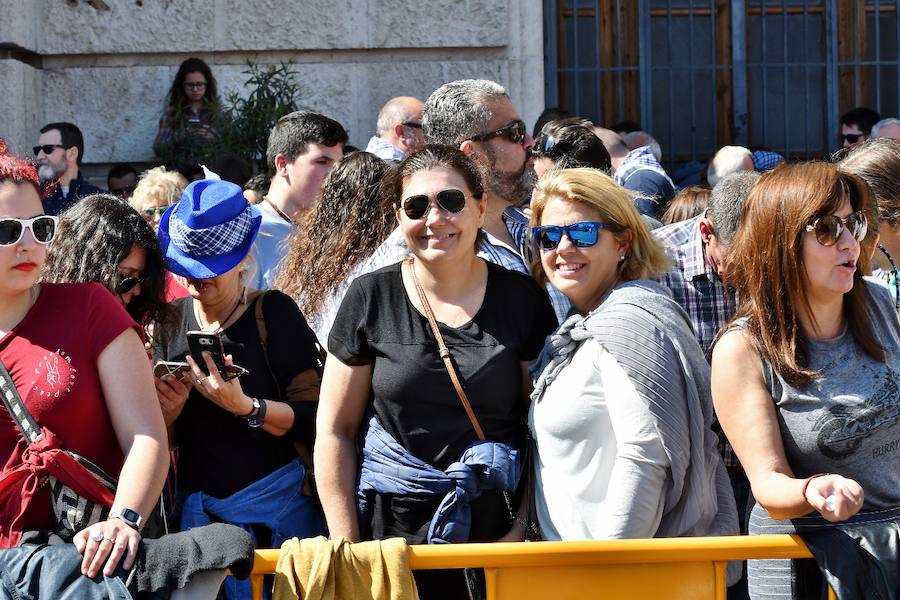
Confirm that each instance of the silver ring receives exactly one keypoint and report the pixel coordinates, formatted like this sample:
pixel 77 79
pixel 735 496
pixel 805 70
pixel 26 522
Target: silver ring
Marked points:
pixel 97 535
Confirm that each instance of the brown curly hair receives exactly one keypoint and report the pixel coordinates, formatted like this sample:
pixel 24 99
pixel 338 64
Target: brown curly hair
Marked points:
pixel 349 222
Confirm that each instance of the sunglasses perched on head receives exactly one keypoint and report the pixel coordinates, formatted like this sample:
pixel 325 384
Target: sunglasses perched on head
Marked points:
pixel 43 228
pixel 543 145
pixel 152 210
pixel 417 207
pixel 582 235
pixel 125 283
pixel 828 229
pixel 514 132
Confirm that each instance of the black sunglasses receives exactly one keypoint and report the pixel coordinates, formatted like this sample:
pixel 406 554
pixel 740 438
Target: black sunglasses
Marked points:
pixel 514 132
pixel 852 138
pixel 43 228
pixel 126 283
pixel 543 145
pixel 417 207
pixel 582 235
pixel 829 228
pixel 47 148
pixel 411 124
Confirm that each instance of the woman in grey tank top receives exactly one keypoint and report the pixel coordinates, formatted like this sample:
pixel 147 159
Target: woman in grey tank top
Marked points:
pixel 805 380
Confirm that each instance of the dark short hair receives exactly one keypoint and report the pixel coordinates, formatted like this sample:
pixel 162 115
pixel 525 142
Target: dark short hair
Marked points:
pixel 576 145
pixel 233 168
pixel 435 156
pixel 294 131
pixel 69 136
pixel 120 170
pixel 553 113
pixel 862 117
pixel 626 127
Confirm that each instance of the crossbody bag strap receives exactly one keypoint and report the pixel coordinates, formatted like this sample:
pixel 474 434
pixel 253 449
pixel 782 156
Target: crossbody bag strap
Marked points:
pixel 444 352
pixel 30 429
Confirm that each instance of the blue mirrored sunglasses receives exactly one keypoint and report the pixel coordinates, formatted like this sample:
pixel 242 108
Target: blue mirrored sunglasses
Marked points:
pixel 582 235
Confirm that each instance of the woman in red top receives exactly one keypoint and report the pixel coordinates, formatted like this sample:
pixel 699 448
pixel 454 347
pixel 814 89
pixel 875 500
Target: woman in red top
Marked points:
pixel 78 363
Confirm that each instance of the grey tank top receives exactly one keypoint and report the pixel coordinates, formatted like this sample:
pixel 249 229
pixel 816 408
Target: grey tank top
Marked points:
pixel 847 421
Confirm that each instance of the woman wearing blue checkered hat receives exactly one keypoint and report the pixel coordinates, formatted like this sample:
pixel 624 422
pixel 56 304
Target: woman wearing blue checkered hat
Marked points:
pixel 237 438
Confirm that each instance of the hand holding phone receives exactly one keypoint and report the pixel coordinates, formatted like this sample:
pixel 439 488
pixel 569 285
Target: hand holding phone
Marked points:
pixel 204 341
pixel 165 367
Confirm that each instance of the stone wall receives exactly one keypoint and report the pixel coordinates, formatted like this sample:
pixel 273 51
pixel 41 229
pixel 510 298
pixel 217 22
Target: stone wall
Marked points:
pixel 108 70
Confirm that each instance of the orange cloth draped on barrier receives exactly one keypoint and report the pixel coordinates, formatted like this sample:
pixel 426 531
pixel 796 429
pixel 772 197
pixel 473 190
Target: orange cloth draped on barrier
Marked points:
pixel 322 569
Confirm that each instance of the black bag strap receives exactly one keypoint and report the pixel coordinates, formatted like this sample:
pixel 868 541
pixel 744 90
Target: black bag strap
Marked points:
pixel 30 429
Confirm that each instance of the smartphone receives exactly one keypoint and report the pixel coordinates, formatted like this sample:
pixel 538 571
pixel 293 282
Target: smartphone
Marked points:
pixel 204 341
pixel 165 367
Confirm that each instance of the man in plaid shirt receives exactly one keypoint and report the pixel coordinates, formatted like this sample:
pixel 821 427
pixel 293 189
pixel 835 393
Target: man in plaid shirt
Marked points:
pixel 698 249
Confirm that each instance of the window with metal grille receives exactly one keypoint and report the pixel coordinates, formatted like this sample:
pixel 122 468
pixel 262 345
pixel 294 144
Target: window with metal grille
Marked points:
pixel 700 74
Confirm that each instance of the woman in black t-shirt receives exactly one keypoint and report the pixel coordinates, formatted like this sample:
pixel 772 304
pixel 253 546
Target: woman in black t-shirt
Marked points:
pixel 493 321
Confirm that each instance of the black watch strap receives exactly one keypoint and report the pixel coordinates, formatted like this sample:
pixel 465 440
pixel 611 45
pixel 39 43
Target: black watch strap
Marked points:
pixel 258 418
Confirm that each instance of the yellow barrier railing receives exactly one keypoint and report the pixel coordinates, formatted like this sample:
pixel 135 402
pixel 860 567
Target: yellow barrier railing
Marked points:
pixel 664 568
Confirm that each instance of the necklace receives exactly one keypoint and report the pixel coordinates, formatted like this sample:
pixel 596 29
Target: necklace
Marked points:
pixel 222 323
pixel 278 210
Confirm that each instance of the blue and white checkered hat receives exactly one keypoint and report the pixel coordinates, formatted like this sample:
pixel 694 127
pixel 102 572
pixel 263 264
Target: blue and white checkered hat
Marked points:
pixel 209 231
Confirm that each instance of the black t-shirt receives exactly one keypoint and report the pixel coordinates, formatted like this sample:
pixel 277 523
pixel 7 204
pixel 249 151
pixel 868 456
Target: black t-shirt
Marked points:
pixel 218 453
pixel 412 395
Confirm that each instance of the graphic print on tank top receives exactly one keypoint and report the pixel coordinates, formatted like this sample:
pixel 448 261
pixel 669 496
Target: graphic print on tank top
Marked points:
pixel 842 428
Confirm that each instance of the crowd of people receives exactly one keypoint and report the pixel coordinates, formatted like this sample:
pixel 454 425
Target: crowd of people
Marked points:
pixel 465 333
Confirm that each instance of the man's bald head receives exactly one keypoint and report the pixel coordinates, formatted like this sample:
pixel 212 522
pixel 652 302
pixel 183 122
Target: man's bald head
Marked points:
pixel 400 123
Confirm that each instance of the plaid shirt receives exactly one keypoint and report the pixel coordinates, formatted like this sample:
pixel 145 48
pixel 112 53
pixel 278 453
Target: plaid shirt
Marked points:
pixel 394 250
pixel 699 291
pixel 639 159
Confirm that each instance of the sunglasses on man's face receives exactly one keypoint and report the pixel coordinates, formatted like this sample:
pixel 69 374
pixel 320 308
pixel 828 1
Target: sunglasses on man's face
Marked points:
pixel 514 132
pixel 852 138
pixel 46 148
pixel 828 229
pixel 125 283
pixel 417 207
pixel 43 228
pixel 582 235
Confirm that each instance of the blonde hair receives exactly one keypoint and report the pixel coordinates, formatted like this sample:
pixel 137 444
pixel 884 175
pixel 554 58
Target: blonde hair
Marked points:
pixel 597 190
pixel 158 184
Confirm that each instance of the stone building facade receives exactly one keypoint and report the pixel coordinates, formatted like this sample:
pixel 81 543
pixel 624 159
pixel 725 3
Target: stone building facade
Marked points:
pixel 108 69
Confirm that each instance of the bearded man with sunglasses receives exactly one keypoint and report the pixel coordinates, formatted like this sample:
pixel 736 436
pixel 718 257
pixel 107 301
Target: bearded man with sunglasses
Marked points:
pixel 58 155
pixel 477 116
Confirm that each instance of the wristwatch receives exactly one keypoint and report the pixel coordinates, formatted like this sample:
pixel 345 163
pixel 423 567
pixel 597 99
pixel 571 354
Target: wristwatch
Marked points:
pixel 130 517
pixel 258 416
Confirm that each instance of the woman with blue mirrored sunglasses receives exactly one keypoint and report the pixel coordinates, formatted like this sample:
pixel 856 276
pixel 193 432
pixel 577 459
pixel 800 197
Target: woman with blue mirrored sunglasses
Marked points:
pixel 625 382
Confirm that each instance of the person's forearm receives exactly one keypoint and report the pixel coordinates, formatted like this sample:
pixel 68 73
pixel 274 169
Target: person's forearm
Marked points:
pixel 781 495
pixel 142 476
pixel 279 418
pixel 335 462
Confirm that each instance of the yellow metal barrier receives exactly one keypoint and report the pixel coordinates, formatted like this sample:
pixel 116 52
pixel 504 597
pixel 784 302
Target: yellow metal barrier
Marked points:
pixel 679 568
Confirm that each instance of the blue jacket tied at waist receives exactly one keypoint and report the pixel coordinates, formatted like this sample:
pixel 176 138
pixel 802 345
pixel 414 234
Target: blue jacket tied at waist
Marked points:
pixel 387 468
pixel 276 501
